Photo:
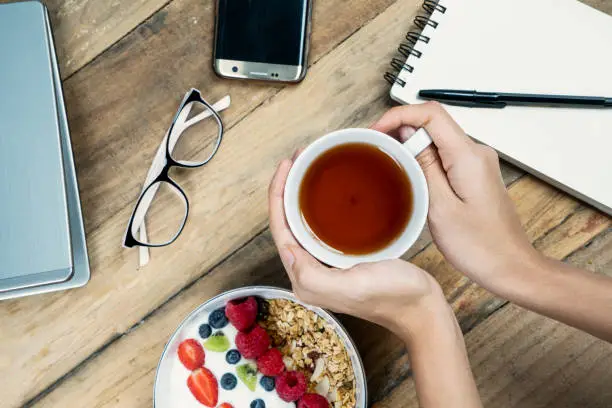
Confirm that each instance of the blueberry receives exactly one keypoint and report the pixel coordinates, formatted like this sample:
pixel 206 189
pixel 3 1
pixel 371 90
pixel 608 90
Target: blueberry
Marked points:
pixel 258 403
pixel 262 308
pixel 233 356
pixel 205 331
pixel 267 383
pixel 228 381
pixel 217 319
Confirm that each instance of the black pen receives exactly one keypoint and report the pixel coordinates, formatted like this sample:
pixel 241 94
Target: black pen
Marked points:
pixel 500 100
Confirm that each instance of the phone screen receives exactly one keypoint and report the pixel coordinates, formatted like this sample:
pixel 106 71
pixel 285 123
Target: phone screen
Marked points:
pixel 267 31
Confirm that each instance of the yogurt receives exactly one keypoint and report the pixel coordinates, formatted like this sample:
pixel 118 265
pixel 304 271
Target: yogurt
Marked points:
pixel 240 397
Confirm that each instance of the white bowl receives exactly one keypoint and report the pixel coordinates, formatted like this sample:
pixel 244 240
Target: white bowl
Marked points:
pixel 162 387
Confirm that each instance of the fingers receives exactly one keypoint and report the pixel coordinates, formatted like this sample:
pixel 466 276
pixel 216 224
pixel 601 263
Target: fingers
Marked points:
pixel 446 134
pixel 297 153
pixel 449 139
pixel 294 258
pixel 312 282
pixel 440 190
pixel 301 266
pixel 276 207
pixel 405 132
pixel 429 160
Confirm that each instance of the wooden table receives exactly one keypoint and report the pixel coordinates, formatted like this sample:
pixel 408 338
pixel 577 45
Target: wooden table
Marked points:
pixel 126 65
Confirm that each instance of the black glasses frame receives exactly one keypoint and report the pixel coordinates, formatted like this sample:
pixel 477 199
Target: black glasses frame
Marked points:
pixel 193 95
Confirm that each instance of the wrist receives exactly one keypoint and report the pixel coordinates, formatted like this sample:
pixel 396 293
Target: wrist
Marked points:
pixel 521 275
pixel 430 317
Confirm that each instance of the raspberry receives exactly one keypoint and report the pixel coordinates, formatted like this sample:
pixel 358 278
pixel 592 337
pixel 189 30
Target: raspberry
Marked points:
pixel 291 385
pixel 242 313
pixel 254 343
pixel 313 401
pixel 271 363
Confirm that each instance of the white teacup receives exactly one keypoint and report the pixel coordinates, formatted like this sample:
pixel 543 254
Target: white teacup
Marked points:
pixel 404 155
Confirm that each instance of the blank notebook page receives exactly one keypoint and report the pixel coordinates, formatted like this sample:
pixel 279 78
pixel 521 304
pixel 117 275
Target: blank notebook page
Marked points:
pixel 527 46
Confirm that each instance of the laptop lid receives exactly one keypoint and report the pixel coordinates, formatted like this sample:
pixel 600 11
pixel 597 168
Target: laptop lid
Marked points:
pixel 35 244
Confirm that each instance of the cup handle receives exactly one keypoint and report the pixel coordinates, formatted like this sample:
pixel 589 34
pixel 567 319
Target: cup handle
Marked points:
pixel 418 142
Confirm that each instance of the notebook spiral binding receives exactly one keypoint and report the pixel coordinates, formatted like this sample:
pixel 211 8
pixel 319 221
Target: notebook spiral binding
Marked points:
pixel 408 48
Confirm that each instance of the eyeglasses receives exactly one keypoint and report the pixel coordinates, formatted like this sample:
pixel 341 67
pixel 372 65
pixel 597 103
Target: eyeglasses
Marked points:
pixel 192 141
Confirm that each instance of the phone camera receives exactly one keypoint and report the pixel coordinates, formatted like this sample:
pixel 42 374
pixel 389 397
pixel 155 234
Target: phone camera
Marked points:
pixel 234 69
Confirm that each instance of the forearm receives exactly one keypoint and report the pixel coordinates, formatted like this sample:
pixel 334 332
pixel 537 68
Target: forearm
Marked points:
pixel 439 361
pixel 570 295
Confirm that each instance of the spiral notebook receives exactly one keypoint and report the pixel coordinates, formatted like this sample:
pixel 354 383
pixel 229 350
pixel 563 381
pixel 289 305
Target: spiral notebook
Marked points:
pixel 525 46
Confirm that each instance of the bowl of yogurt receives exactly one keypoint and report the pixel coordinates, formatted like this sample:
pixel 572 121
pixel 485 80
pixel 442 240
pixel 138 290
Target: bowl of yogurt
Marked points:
pixel 206 356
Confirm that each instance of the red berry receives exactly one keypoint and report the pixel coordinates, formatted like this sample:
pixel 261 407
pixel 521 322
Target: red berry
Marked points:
pixel 291 385
pixel 242 313
pixel 271 363
pixel 226 405
pixel 204 387
pixel 191 354
pixel 254 343
pixel 313 401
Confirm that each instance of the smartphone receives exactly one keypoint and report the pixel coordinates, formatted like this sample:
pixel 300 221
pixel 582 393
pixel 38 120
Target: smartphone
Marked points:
pixel 262 39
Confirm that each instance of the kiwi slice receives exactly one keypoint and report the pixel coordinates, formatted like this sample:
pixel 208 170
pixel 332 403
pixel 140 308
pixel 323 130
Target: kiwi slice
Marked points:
pixel 248 375
pixel 217 342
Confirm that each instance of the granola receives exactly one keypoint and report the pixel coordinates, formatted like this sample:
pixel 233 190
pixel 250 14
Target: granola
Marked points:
pixel 312 346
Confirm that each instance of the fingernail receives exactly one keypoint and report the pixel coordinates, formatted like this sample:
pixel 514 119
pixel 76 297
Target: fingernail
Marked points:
pixel 405 132
pixel 287 257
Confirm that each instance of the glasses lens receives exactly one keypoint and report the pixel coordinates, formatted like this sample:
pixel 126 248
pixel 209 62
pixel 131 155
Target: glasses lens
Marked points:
pixel 164 208
pixel 196 135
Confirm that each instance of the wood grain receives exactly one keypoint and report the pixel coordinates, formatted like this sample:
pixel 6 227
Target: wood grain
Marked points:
pixel 547 208
pixel 123 374
pixel 119 106
pixel 83 29
pixel 524 360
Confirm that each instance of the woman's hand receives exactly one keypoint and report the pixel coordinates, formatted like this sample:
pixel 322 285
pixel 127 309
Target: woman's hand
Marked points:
pixel 474 224
pixel 471 218
pixel 394 294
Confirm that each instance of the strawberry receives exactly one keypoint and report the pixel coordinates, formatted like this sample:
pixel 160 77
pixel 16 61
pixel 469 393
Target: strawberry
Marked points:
pixel 225 405
pixel 191 354
pixel 242 313
pixel 204 387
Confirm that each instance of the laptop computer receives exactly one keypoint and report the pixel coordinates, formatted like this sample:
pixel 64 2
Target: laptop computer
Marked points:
pixel 42 240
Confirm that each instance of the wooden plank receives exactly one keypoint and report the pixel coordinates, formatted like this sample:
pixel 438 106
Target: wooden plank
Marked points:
pixel 83 29
pixel 524 360
pixel 475 303
pixel 596 256
pixel 99 382
pixel 128 380
pixel 256 143
pixel 119 107
pixel 521 359
pixel 541 208
pixel 380 349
